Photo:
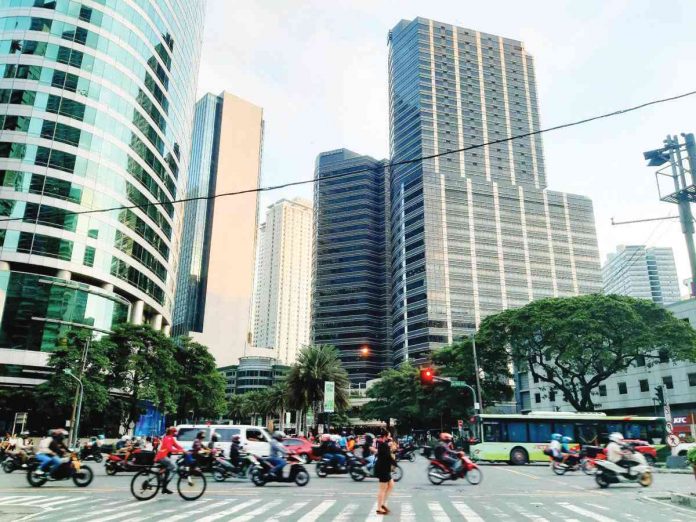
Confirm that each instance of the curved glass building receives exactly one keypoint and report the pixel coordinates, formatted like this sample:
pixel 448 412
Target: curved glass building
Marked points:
pixel 96 105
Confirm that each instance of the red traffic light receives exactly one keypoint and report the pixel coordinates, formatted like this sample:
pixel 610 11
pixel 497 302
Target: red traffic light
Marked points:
pixel 427 376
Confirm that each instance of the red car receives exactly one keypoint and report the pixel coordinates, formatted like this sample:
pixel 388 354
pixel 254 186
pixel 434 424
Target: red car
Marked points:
pixel 302 447
pixel 644 447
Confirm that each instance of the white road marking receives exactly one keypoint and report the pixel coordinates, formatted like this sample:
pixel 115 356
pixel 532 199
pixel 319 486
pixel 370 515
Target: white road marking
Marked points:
pixel 438 512
pixel 603 508
pixel 251 515
pixel 468 514
pixel 585 512
pixel 346 513
pixel 52 503
pixel 12 500
pixel 407 512
pixel 41 500
pixel 313 515
pixel 229 511
pixel 187 514
pixel 372 515
pixel 116 516
pixel 290 511
pixel 526 514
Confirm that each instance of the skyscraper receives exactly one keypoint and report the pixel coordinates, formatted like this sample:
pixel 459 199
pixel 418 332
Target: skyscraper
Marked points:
pixel 473 232
pixel 216 274
pixel 96 103
pixel 639 271
pixel 282 293
pixel 350 273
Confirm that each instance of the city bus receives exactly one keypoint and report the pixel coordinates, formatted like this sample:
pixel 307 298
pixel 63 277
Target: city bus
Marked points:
pixel 519 439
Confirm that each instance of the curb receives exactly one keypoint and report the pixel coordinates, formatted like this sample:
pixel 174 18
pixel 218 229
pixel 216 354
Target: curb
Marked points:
pixel 683 500
pixel 673 471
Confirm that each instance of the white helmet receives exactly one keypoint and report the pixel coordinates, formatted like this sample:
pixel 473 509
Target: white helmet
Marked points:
pixel 616 437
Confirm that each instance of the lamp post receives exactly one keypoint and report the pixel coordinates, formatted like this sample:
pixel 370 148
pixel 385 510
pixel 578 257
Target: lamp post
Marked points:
pixel 74 428
pixel 476 370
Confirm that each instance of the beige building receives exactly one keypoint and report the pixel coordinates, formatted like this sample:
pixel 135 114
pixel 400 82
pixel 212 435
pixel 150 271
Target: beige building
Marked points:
pixel 282 294
pixel 215 291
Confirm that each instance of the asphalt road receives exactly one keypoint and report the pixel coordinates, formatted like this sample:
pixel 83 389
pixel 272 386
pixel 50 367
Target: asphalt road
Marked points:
pixel 529 493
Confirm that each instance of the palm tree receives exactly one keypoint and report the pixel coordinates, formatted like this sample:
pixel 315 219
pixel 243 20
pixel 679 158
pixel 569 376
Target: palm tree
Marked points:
pixel 305 380
pixel 236 407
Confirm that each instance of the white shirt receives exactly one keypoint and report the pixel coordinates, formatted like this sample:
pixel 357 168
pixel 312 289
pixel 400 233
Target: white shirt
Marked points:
pixel 43 445
pixel 614 452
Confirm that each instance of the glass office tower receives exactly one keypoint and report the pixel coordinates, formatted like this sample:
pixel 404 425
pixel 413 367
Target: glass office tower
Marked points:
pixel 96 104
pixel 473 232
pixel 350 273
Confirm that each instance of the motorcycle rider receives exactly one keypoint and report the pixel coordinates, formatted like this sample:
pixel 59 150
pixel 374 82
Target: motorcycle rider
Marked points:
pixel 236 451
pixel 617 453
pixel 168 445
pixel 278 452
pixel 369 452
pixel 329 448
pixel 56 450
pixel 444 453
pixel 555 447
pixel 566 450
pixel 213 450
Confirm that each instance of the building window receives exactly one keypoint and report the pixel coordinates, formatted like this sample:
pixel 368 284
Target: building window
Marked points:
pixel 644 386
pixel 602 390
pixel 535 377
pixel 667 381
pixel 664 357
pixel 552 395
pixel 692 379
pixel 537 398
pixel 640 360
pixel 622 388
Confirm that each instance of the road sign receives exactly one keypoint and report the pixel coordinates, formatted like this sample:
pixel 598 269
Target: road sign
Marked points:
pixel 459 384
pixel 20 417
pixel 669 428
pixel 329 395
pixel 673 440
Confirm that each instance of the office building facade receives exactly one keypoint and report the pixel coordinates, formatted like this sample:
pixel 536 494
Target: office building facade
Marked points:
pixel 350 261
pixel 252 373
pixel 96 103
pixel 642 272
pixel 282 292
pixel 214 299
pixel 473 232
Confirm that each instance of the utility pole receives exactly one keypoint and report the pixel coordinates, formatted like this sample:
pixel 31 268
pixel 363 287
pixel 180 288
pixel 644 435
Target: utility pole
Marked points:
pixel 478 378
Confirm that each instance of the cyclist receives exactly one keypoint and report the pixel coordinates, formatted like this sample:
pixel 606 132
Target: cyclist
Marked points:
pixel 168 445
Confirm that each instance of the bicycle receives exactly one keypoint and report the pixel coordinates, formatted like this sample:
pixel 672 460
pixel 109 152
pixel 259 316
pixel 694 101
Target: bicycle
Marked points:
pixel 147 483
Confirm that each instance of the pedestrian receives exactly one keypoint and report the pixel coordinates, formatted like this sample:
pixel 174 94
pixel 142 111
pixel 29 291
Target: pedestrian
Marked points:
pixel 383 471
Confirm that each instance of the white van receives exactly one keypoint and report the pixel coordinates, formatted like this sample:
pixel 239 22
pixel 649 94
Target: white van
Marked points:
pixel 254 439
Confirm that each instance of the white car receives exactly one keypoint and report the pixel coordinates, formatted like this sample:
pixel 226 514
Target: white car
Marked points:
pixel 254 439
pixel 682 448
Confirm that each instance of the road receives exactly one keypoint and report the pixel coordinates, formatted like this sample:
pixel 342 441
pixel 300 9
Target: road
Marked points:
pixel 507 493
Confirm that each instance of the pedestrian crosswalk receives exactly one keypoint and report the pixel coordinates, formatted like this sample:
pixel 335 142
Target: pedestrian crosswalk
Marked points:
pixel 297 508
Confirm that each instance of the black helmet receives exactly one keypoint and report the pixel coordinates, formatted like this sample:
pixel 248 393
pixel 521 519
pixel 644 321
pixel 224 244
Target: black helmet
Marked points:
pixel 200 434
pixel 214 437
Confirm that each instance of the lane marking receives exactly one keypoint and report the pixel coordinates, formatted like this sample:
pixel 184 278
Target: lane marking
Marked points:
pixel 228 511
pixel 290 511
pixel 585 512
pixel 117 516
pixel 197 511
pixel 318 511
pixel 407 512
pixel 438 512
pixel 346 513
pixel 467 512
pixel 251 515
pixel 521 473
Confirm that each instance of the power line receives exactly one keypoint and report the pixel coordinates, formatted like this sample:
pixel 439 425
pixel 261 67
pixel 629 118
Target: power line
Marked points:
pixel 391 164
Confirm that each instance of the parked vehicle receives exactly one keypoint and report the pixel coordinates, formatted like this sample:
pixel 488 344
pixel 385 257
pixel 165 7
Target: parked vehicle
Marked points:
pixel 648 450
pixel 294 471
pixel 304 449
pixel 69 468
pixel 438 471
pixel 254 439
pixel 680 450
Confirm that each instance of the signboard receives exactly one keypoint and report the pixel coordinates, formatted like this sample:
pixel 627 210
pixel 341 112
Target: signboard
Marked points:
pixel 20 417
pixel 329 395
pixel 679 420
pixel 459 384
pixel 673 440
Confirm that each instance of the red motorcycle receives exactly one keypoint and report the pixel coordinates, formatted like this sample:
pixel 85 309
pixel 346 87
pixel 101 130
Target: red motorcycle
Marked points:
pixel 438 471
pixel 137 460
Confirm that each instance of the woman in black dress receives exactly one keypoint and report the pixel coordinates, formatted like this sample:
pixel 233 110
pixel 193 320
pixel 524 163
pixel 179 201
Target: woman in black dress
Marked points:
pixel 383 471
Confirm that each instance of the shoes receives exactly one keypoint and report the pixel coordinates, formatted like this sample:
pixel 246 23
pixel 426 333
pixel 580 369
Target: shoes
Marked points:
pixel 166 491
pixel 190 481
pixel 39 472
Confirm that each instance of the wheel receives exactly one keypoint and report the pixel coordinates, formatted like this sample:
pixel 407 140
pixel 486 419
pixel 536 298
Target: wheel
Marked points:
pixel 558 468
pixel 518 456
pixel 645 479
pixel 412 457
pixel 257 477
pixel 304 458
pixel 321 470
pixel 34 479
pixel 357 474
pixel 98 457
pixel 650 460
pixel 302 478
pixel 83 477
pixel 601 480
pixel 588 467
pixel 474 476
pixel 219 475
pixel 110 468
pixel 145 484
pixel 435 475
pixel 8 466
pixel 191 485
pixel 397 473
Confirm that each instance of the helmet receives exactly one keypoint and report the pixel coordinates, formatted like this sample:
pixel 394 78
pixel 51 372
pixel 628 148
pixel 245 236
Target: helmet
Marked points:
pixel 236 438
pixel 556 436
pixel 446 437
pixel 616 437
pixel 200 434
pixel 171 430
pixel 215 438
pixel 567 439
pixel 325 437
pixel 278 435
pixel 59 434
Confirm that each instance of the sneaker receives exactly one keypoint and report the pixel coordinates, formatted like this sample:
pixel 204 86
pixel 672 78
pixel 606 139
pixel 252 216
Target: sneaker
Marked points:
pixel 189 480
pixel 39 472
pixel 166 491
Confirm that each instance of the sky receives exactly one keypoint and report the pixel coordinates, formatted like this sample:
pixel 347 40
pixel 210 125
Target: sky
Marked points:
pixel 319 70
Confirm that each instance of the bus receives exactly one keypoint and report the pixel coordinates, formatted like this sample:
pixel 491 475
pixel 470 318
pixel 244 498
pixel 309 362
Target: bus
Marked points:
pixel 519 439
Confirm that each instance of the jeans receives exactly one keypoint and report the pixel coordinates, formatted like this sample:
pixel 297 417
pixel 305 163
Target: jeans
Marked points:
pixel 337 458
pixel 370 461
pixel 169 466
pixel 278 464
pixel 48 462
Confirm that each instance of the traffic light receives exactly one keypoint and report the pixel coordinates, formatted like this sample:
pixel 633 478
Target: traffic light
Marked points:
pixel 427 376
pixel 660 395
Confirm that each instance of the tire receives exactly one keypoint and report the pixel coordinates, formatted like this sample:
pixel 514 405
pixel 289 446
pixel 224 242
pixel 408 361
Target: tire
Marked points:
pixel 412 457
pixel 219 475
pixel 145 484
pixel 304 458
pixel 302 478
pixel 8 466
pixel 83 477
pixel 357 474
pixel 36 481
pixel 601 480
pixel 474 476
pixel 257 477
pixel 435 475
pixel 110 468
pixel 98 457
pixel 518 456
pixel 645 479
pixel 397 473
pixel 650 460
pixel 321 470
pixel 588 467
pixel 191 485
pixel 558 468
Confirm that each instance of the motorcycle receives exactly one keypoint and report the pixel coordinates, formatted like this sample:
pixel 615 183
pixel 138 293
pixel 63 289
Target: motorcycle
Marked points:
pixel 136 461
pixel 293 471
pixel 326 466
pixel 438 471
pixel 221 472
pixel 12 463
pixel 407 452
pixel 91 452
pixel 611 473
pixel 69 468
pixel 574 462
pixel 359 470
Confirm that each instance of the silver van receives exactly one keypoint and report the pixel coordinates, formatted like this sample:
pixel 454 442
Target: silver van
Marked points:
pixel 254 439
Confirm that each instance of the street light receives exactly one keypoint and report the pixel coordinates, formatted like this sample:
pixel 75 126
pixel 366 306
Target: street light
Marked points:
pixel 74 429
pixel 365 351
pixel 477 371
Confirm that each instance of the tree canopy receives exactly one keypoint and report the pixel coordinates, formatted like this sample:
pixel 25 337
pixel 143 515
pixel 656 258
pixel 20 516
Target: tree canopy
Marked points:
pixel 573 344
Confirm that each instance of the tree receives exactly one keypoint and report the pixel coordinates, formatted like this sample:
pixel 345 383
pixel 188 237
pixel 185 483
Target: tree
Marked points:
pixel 236 407
pixel 573 344
pixel 305 379
pixel 201 388
pixel 398 394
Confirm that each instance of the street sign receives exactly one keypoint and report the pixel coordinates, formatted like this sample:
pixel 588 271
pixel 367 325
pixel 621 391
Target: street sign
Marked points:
pixel 329 395
pixel 477 406
pixel 673 440
pixel 20 417
pixel 458 384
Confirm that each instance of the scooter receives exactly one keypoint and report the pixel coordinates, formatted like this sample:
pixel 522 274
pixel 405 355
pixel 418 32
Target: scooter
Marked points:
pixel 293 471
pixel 326 465
pixel 574 462
pixel 407 452
pixel 438 471
pixel 91 452
pixel 359 470
pixel 13 462
pixel 137 460
pixel 69 468
pixel 611 473
pixel 222 472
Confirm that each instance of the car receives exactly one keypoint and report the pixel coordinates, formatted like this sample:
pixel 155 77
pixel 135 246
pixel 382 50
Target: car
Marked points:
pixel 304 449
pixel 681 449
pixel 254 439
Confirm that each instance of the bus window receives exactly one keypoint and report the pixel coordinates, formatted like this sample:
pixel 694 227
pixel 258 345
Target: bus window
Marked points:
pixel 539 431
pixel 491 432
pixel 615 427
pixel 588 434
pixel 567 429
pixel 633 431
pixel 655 432
pixel 516 432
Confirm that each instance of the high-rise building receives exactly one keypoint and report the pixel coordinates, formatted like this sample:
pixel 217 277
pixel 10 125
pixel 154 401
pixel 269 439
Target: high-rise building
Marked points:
pixel 96 105
pixel 639 271
pixel 478 231
pixel 282 293
pixel 216 274
pixel 350 273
